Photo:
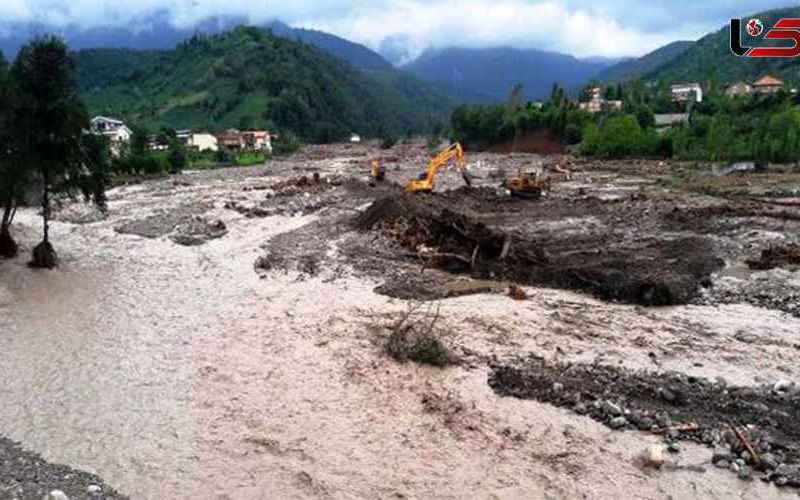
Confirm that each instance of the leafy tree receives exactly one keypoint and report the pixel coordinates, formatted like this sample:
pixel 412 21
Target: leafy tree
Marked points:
pixel 97 174
pixel 13 173
pixel 52 124
pixel 139 145
pixel 285 144
pixel 620 136
pixel 176 156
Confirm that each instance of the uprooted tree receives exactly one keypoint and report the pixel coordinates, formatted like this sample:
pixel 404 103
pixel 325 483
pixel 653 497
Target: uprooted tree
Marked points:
pixel 50 139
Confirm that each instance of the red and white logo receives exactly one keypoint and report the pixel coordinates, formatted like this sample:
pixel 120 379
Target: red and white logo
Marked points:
pixel 755 27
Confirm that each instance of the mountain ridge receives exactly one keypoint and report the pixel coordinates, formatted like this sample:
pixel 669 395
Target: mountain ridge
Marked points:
pixel 250 77
pixel 489 74
pixel 710 58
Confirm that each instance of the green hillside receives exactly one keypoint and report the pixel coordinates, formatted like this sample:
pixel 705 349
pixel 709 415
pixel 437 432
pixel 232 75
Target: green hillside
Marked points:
pixel 710 58
pixel 635 68
pixel 250 78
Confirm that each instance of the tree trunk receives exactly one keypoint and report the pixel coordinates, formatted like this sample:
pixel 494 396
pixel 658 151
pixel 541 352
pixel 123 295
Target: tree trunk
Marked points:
pixel 44 255
pixel 46 207
pixel 8 247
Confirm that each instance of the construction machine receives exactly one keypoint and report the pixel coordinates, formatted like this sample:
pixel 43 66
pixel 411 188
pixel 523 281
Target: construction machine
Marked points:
pixel 425 181
pixel 527 185
pixel 378 171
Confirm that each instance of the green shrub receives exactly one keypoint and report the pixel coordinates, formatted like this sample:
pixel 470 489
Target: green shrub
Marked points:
pixel 388 141
pixel 285 144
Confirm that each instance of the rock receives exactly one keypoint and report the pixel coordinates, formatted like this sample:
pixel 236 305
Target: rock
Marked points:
pixel 745 473
pixel 94 490
pixel 790 472
pixel 722 454
pixel 723 464
pixel 653 457
pixel 663 420
pixel 611 408
pixel 782 386
pixel 581 409
pixel 674 447
pixel 667 395
pixel 558 387
pixel 769 462
pixel 56 495
pixel 645 424
pixel 263 263
pixel 618 422
pixel 736 467
pixel 44 256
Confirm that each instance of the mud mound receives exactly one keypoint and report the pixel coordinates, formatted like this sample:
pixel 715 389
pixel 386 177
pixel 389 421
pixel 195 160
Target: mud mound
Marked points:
pixel 777 256
pixel 700 218
pixel 673 404
pixel 198 231
pixel 656 272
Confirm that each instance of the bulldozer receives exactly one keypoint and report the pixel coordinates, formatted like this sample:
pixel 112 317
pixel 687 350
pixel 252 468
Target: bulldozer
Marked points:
pixel 424 183
pixel 529 185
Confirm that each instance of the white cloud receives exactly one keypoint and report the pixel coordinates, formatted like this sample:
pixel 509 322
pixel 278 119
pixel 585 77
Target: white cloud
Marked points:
pixel 580 27
pixel 476 23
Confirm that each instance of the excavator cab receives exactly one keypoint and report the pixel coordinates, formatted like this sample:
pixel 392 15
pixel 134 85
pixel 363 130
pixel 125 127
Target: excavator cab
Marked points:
pixel 424 183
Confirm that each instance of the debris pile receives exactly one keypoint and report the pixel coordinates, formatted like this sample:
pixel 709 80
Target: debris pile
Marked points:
pixel 302 195
pixel 198 231
pixel 776 256
pixel 447 232
pixel 752 429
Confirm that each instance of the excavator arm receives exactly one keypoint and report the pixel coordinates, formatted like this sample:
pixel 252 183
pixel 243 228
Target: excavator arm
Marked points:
pixel 425 184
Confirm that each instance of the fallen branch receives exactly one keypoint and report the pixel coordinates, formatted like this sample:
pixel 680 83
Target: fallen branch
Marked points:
pixel 746 444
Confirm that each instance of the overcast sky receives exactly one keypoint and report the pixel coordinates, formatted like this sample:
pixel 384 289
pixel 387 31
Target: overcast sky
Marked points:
pixel 580 27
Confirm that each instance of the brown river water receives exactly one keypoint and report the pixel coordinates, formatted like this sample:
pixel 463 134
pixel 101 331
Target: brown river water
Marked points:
pixel 176 372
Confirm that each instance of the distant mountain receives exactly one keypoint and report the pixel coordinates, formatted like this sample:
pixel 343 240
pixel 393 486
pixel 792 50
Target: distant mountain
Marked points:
pixel 154 31
pixel 711 58
pixel 605 61
pixel 354 53
pixel 398 49
pixel 632 69
pixel 251 77
pixel 488 75
pixel 157 32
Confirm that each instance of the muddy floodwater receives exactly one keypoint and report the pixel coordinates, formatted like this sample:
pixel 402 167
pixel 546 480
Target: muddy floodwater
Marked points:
pixel 177 371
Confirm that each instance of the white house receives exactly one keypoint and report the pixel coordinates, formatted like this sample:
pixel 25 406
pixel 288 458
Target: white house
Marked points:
pixel 684 92
pixel 598 103
pixel 203 141
pixel 117 132
pixel 257 140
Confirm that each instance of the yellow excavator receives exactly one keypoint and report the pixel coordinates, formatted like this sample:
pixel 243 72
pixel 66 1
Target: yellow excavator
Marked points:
pixel 378 171
pixel 425 181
